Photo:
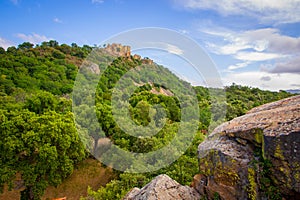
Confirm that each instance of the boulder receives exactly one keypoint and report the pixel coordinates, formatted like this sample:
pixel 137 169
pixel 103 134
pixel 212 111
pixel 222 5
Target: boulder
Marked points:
pixel 163 188
pixel 255 156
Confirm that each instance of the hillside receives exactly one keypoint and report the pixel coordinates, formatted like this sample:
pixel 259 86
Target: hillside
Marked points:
pixel 44 145
pixel 293 91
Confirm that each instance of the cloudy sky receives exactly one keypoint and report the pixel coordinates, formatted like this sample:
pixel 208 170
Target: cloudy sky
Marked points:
pixel 251 42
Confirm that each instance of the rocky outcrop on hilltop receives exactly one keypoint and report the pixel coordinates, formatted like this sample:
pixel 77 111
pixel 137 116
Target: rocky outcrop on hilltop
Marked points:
pixel 125 51
pixel 255 156
pixel 118 50
pixel 163 188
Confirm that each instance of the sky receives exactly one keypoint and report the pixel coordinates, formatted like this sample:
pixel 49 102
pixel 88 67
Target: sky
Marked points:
pixel 251 42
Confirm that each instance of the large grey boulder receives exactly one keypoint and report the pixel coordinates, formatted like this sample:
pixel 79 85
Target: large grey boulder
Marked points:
pixel 163 188
pixel 253 156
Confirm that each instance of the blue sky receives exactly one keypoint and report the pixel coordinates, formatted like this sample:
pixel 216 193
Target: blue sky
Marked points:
pixel 252 42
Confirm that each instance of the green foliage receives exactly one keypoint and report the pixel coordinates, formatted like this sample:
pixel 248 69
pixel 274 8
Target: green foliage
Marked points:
pixel 39 136
pixel 240 99
pixel 49 67
pixel 266 183
pixel 42 102
pixel 42 148
pixel 40 140
pixel 216 196
pixel 116 189
pixel 25 45
pixel 2 50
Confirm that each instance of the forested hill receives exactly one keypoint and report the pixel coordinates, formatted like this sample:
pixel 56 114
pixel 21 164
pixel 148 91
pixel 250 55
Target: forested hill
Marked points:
pixel 39 138
pixel 50 67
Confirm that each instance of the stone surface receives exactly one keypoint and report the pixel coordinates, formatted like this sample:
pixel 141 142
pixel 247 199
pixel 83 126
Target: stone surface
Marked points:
pixel 161 91
pixel 132 193
pixel 118 50
pixel 92 67
pixel 147 61
pixel 163 188
pixel 226 158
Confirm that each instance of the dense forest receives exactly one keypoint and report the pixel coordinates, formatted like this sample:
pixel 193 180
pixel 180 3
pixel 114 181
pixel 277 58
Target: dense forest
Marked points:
pixel 43 143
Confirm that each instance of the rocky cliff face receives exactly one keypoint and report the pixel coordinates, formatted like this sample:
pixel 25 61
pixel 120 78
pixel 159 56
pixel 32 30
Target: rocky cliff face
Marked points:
pixel 125 51
pixel 255 156
pixel 118 50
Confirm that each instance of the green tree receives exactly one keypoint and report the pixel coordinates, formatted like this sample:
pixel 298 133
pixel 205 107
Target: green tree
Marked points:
pixel 41 102
pixel 11 50
pixel 42 148
pixel 2 50
pixel 25 45
pixel 53 43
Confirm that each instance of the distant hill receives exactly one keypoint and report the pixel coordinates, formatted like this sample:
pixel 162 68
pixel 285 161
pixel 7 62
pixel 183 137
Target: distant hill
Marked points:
pixel 294 91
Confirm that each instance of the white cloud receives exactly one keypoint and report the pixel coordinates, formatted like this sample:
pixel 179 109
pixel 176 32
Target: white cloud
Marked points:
pixel 170 48
pixel 258 45
pixel 282 71
pixel 290 66
pixel 228 49
pixel 173 49
pixel 57 20
pixel 232 42
pixel 257 56
pixel 273 82
pixel 5 43
pixel 97 1
pixel 183 31
pixel 279 11
pixel 268 39
pixel 33 38
pixel 238 65
pixel 265 78
pixel 273 40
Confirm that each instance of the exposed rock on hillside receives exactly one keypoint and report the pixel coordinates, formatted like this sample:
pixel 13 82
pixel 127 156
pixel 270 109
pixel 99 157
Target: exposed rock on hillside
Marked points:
pixel 253 156
pixel 92 67
pixel 162 91
pixel 125 51
pixel 118 50
pixel 163 188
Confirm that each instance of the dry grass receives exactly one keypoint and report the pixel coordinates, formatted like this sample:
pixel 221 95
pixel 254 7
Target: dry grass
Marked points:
pixel 88 173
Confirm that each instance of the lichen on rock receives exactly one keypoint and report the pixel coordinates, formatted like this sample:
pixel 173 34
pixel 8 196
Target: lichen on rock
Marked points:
pixel 226 157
